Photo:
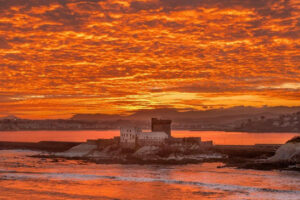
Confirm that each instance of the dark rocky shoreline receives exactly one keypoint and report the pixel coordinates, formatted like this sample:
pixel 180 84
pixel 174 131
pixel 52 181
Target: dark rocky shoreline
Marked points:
pixel 48 146
pixel 129 161
pixel 239 156
pixel 240 163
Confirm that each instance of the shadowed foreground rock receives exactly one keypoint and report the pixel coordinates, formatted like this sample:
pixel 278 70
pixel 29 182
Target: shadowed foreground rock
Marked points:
pixel 142 155
pixel 49 146
pixel 287 157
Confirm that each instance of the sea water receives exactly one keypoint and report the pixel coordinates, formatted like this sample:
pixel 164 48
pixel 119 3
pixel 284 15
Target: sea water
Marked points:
pixel 218 137
pixel 24 177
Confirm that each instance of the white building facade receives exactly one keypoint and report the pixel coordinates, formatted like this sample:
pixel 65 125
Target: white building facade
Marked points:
pixel 151 138
pixel 128 136
pixel 131 137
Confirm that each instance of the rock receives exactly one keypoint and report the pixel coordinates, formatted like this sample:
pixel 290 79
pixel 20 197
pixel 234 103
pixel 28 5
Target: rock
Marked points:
pixel 99 154
pixel 296 158
pixel 172 157
pixel 289 152
pixel 146 151
pixel 82 150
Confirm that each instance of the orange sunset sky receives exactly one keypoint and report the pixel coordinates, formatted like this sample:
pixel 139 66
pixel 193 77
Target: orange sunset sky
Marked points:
pixel 60 57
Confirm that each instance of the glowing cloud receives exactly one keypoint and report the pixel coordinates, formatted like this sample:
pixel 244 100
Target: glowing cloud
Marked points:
pixel 63 57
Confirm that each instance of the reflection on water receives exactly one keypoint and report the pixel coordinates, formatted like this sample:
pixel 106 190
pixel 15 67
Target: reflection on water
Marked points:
pixel 218 137
pixel 24 177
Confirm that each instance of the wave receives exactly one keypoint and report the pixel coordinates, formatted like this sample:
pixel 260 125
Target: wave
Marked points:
pixel 14 175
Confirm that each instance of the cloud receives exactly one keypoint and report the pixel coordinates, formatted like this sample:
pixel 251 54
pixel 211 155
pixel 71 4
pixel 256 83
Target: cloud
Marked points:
pixel 119 56
pixel 4 44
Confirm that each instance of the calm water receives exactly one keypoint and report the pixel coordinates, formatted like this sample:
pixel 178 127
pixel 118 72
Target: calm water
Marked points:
pixel 218 137
pixel 22 177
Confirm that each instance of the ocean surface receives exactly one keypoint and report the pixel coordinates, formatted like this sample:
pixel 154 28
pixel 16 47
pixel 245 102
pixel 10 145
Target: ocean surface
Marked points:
pixel 23 177
pixel 218 137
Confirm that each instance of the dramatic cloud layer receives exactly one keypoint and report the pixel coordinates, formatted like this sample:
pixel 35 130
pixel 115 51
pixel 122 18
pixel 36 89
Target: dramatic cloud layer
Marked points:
pixel 61 57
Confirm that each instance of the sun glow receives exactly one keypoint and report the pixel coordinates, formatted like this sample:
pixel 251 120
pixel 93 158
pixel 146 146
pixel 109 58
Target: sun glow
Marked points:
pixel 121 56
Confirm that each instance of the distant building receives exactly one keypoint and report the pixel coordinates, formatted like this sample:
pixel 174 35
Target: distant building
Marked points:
pixel 186 140
pixel 128 136
pixel 151 138
pixel 132 137
pixel 161 125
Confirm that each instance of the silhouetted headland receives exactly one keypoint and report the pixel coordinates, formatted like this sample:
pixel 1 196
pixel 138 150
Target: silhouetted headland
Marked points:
pixel 242 119
pixel 134 146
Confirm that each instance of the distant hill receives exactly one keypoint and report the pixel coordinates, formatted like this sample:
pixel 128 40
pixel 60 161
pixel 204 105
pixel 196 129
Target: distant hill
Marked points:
pixel 10 117
pixel 214 116
pixel 250 119
pixel 281 123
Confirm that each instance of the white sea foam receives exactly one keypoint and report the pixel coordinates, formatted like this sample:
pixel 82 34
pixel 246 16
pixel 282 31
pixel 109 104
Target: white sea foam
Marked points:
pixel 13 175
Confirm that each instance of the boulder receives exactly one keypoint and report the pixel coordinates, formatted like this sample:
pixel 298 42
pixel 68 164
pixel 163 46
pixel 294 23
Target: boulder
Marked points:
pixel 81 150
pixel 289 152
pixel 146 151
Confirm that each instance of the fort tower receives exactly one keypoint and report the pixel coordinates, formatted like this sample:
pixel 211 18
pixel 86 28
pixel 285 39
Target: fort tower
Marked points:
pixel 159 125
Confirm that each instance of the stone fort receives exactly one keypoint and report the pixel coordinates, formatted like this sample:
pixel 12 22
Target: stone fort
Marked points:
pixel 161 126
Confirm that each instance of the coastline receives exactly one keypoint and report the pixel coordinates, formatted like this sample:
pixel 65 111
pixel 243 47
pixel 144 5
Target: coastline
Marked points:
pixel 242 131
pixel 192 130
pixel 239 156
pixel 47 146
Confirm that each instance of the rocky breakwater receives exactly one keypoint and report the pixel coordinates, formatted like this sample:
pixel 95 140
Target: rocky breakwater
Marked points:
pixel 166 154
pixel 287 157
